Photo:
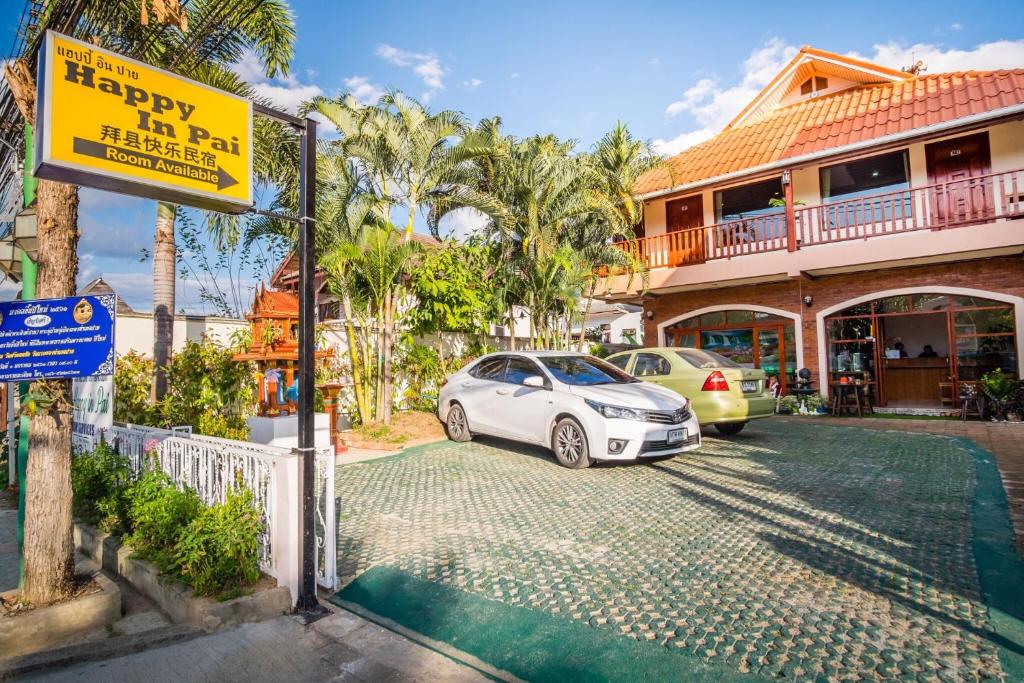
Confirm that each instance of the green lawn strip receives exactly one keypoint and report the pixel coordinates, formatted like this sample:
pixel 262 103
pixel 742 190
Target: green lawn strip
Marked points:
pixel 1000 567
pixel 530 644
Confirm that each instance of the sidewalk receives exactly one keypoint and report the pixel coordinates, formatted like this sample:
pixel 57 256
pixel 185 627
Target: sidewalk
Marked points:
pixel 8 545
pixel 341 647
pixel 1004 440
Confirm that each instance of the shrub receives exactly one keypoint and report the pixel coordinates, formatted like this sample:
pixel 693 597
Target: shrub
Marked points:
pixel 209 390
pixel 159 512
pixel 133 376
pixel 99 482
pixel 217 551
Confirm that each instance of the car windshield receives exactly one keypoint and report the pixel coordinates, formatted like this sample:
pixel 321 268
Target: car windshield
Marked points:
pixel 699 358
pixel 584 370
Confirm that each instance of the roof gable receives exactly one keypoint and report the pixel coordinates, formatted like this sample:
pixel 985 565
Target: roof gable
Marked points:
pixel 853 116
pixel 810 62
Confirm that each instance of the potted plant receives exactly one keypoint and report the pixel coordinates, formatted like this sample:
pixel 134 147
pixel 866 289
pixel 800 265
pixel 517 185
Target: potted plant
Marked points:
pixel 1001 391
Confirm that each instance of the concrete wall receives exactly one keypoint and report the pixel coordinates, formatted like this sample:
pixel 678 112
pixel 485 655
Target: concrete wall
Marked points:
pixel 134 331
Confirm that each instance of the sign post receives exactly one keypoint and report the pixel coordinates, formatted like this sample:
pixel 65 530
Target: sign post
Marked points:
pixel 113 123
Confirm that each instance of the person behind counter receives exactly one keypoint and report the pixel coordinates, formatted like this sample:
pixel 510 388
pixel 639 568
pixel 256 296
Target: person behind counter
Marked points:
pixel 928 352
pixel 898 346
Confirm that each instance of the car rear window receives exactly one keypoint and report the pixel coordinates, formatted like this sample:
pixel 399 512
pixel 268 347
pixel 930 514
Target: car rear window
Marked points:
pixel 619 361
pixel 699 358
pixel 584 370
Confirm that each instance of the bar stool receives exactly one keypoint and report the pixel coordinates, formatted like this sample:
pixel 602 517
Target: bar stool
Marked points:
pixel 972 403
pixel 946 394
pixel 847 397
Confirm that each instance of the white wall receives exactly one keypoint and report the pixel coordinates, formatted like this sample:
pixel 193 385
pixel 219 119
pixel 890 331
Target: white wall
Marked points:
pixel 134 331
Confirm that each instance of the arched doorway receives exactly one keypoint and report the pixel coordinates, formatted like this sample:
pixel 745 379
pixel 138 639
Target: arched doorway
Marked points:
pixel 913 349
pixel 753 336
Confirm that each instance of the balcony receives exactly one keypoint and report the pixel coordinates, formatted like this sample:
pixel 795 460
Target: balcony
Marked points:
pixel 956 204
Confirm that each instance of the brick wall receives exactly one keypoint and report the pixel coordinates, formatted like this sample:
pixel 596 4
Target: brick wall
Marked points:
pixel 1003 275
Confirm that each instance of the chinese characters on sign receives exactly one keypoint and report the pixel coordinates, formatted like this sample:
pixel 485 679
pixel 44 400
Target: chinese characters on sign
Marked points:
pixel 117 124
pixel 57 338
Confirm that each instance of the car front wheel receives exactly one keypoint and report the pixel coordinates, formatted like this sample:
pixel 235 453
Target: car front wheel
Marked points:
pixel 730 428
pixel 570 444
pixel 457 426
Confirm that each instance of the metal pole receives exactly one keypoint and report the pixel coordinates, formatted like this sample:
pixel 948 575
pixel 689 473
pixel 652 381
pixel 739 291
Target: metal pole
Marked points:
pixel 307 601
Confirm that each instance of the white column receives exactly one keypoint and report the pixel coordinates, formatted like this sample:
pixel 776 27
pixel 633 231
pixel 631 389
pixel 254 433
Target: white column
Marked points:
pixel 286 541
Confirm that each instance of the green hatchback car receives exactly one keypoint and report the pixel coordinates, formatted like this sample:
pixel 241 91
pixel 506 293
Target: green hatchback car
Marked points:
pixel 721 392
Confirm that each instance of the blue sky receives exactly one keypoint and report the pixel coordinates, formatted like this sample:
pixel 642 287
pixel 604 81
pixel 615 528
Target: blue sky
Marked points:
pixel 675 72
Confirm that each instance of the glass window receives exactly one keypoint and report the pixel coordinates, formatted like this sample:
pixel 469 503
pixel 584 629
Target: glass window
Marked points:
pixel 489 368
pixel 713 319
pixel 850 328
pixel 859 309
pixel 973 301
pixel 930 302
pixel 683 339
pixel 874 175
pixel 769 318
pixel 984 321
pixel 893 304
pixel 619 361
pixel 584 370
pixel 651 365
pixel 702 359
pixel 745 201
pixel 520 368
pixel 737 345
pixel 979 355
pixel 739 316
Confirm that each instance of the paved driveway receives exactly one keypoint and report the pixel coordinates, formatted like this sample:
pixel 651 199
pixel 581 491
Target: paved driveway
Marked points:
pixel 795 550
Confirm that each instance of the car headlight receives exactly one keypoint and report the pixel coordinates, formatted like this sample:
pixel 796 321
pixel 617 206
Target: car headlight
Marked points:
pixel 617 411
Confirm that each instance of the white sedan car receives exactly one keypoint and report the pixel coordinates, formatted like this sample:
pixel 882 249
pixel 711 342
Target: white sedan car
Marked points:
pixel 579 406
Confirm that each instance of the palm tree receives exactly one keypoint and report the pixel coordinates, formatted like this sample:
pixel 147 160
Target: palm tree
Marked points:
pixel 620 160
pixel 266 27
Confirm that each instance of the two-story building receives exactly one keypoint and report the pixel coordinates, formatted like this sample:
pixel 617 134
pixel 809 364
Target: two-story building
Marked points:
pixel 852 219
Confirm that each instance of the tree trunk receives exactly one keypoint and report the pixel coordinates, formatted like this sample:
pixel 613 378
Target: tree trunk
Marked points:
pixel 389 343
pixel 512 328
pixel 164 261
pixel 586 314
pixel 353 355
pixel 49 548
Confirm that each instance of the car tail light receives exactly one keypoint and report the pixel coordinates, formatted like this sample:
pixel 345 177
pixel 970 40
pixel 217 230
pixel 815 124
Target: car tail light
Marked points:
pixel 715 382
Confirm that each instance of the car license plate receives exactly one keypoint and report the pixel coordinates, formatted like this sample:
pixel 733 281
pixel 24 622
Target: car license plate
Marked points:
pixel 749 387
pixel 676 435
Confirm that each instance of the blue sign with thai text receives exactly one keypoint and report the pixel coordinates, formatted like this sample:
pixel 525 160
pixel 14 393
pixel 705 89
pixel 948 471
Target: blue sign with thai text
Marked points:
pixel 57 338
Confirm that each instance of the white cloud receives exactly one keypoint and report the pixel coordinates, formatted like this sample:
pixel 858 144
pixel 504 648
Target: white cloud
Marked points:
pixel 956 26
pixel 514 75
pixel 426 97
pixel 363 90
pixel 654 61
pixel 472 84
pixel 712 103
pixel 682 141
pixel 462 223
pixel 286 93
pixel 1000 54
pixel 425 65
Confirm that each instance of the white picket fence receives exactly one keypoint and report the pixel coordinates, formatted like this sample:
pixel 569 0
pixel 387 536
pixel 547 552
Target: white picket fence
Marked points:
pixel 211 466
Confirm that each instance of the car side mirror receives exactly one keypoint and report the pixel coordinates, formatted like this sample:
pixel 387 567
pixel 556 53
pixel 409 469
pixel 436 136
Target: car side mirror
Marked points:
pixel 535 381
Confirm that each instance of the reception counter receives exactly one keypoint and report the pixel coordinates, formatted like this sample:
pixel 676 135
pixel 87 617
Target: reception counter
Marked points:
pixel 915 379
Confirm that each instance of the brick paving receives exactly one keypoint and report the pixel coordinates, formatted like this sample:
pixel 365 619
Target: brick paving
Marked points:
pixel 1003 439
pixel 796 550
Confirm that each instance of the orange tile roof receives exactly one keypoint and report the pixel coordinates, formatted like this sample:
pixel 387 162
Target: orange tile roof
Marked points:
pixel 858 114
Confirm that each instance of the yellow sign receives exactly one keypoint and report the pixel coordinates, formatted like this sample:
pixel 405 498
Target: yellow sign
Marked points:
pixel 114 123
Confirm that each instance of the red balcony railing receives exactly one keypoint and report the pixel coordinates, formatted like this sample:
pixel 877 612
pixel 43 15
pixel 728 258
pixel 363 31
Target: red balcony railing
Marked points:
pixel 970 201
